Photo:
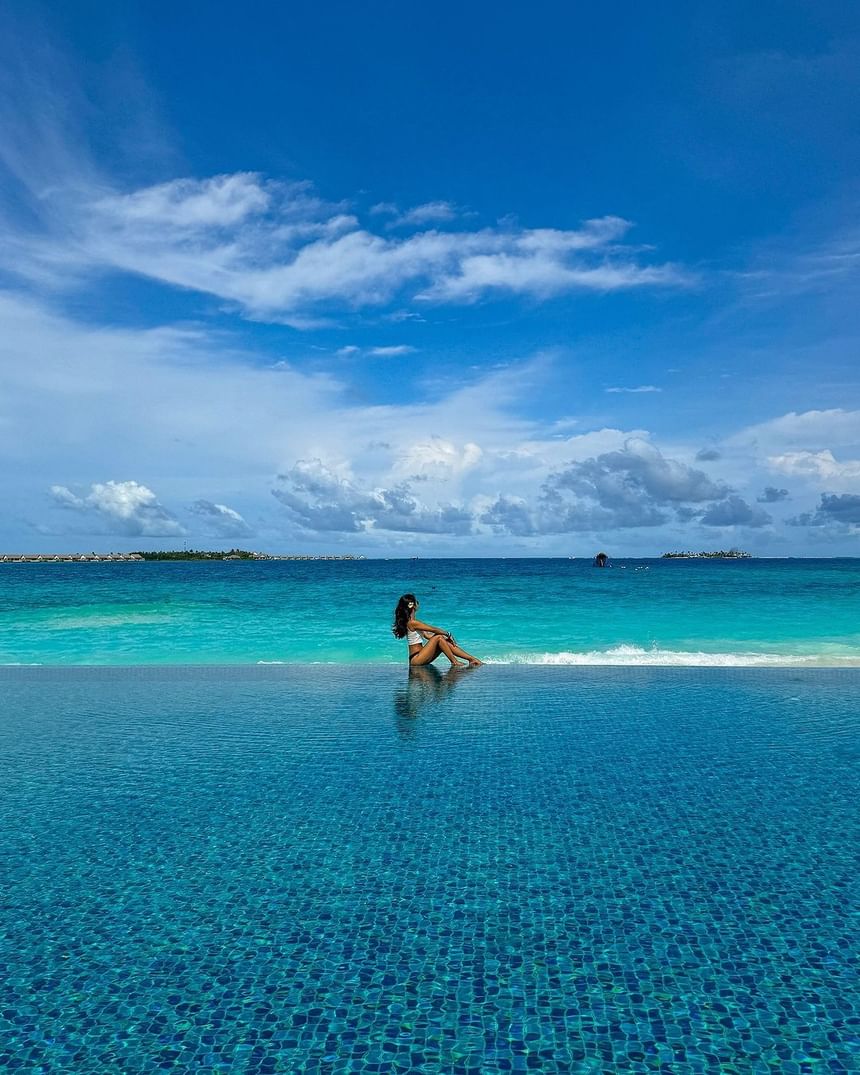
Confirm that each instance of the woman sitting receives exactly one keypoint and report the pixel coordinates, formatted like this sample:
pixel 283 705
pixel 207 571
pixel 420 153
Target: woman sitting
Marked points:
pixel 424 641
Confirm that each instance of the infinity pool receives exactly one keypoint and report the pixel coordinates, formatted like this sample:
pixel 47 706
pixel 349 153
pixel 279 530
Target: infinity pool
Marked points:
pixel 346 870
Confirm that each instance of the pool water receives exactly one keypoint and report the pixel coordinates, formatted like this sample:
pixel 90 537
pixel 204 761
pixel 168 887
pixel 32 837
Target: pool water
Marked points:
pixel 344 869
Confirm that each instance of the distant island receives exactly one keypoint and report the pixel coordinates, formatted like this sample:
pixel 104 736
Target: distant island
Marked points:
pixel 233 554
pixel 719 554
pixel 170 554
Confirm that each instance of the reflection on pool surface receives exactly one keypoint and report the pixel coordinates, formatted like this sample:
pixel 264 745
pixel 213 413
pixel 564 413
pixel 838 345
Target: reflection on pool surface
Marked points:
pixel 346 869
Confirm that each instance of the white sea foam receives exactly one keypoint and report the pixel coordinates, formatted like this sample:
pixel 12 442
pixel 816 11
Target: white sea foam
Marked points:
pixel 637 655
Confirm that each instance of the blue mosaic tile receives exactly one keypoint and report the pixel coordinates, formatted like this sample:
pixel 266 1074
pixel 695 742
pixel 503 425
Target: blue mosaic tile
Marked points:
pixel 350 870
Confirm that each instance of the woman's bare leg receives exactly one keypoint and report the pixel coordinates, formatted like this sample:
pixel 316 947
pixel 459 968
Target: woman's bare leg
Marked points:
pixel 447 649
pixel 427 654
pixel 439 644
pixel 460 652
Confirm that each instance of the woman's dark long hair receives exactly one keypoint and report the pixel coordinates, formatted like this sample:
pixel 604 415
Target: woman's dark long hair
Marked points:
pixel 403 614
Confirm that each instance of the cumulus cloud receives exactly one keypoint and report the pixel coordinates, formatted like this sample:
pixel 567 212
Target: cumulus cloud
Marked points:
pixel 734 511
pixel 772 495
pixel 319 499
pixel 639 468
pixel 511 474
pixel 511 515
pixel 708 455
pixel 439 458
pixel 220 520
pixel 821 465
pixel 627 488
pixel 841 510
pixel 122 507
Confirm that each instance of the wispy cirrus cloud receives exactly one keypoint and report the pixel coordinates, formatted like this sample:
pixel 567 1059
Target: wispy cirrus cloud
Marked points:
pixel 419 216
pixel 382 351
pixel 268 248
pixel 393 351
pixel 639 389
pixel 276 250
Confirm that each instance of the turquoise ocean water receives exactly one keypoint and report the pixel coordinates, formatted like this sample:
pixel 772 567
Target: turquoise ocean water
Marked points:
pixel 556 611
pixel 345 869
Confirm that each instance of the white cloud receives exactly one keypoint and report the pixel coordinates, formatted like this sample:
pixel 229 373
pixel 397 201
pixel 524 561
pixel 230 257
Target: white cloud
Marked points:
pixel 638 389
pixel 123 507
pixel 200 414
pixel 436 212
pixel 633 487
pixel 807 431
pixel 319 499
pixel 277 251
pixel 440 458
pixel 382 351
pixel 394 351
pixel 205 418
pixel 546 262
pixel 822 465
pixel 639 467
pixel 274 250
pixel 222 201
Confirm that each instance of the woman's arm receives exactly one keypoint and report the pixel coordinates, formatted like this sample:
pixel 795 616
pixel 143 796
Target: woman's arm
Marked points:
pixel 426 628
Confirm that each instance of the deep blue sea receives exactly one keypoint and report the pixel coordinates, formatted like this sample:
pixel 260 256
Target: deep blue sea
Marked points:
pixel 734 612
pixel 351 869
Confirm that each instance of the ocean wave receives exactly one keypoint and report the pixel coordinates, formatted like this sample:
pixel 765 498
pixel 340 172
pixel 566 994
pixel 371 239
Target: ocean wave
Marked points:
pixel 638 655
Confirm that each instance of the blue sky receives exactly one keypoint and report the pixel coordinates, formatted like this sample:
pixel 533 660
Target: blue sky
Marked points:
pixel 430 280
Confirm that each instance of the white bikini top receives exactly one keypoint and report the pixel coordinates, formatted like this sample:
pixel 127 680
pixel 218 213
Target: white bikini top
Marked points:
pixel 414 639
